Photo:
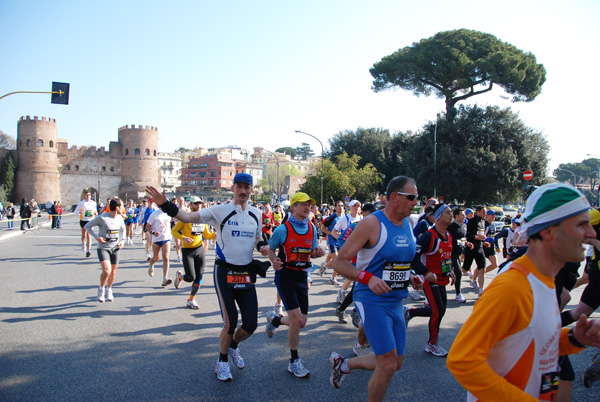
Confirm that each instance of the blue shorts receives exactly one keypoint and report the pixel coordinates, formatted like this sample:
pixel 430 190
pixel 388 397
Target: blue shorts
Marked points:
pixel 384 326
pixel 160 243
pixel 333 248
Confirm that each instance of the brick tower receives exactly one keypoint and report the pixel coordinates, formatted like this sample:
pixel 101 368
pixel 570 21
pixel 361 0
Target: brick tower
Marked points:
pixel 139 164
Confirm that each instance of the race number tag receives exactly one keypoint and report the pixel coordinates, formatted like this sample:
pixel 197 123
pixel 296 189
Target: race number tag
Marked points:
pixel 197 229
pixel 446 267
pixel 238 280
pixel 396 275
pixel 549 386
pixel 88 213
pixel 112 235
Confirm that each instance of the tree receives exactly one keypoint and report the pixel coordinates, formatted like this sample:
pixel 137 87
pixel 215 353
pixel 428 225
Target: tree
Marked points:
pixel 288 151
pixel 343 179
pixel 304 151
pixel 7 175
pixel 274 178
pixel 6 141
pixel 182 149
pixel 586 173
pixel 455 65
pixel 480 157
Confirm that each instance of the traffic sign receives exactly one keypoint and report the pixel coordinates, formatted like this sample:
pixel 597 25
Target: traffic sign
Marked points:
pixel 347 198
pixel 528 175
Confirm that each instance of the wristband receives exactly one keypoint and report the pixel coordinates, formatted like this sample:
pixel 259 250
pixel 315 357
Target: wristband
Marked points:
pixel 364 277
pixel 574 341
pixel 169 208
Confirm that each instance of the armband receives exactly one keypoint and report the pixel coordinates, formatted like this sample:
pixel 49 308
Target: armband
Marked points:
pixel 574 341
pixel 364 277
pixel 260 244
pixel 170 209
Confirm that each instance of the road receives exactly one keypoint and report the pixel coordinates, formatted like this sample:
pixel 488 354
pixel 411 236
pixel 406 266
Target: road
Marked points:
pixel 60 343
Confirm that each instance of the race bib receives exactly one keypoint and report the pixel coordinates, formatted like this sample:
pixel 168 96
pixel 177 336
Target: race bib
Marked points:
pixel 238 280
pixel 549 386
pixel 112 235
pixel 197 229
pixel 88 213
pixel 446 267
pixel 396 275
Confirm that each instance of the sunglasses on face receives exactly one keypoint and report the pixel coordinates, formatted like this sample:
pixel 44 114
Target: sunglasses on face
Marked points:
pixel 410 197
pixel 197 203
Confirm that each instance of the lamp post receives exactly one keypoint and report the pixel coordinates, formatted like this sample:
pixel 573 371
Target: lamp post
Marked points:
pixel 574 177
pixel 435 156
pixel 322 162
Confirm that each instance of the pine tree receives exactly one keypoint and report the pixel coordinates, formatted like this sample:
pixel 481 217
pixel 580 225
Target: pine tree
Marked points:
pixel 7 175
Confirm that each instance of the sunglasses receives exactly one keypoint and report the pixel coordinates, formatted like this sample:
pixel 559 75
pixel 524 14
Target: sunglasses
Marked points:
pixel 410 197
pixel 197 203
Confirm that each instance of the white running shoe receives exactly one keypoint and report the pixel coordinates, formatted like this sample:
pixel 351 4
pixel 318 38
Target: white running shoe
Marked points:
pixel 223 372
pixel 270 328
pixel 479 293
pixel 415 295
pixel 407 316
pixel 178 258
pixel 340 296
pixel 236 358
pixel 360 350
pixel 109 295
pixel 460 298
pixel 297 368
pixel 335 370
pixel 166 281
pixel 278 309
pixel 436 350
pixel 333 281
pixel 151 269
pixel 193 304
pixel 322 269
pixel 178 276
pixel 101 294
pixel 470 275
pixel 473 284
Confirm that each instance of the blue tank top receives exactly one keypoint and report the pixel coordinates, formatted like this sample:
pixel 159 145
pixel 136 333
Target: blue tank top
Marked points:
pixel 395 248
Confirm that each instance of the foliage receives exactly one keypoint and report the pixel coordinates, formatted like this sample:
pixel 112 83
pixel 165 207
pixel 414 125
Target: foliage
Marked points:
pixel 304 151
pixel 182 149
pixel 6 141
pixel 455 65
pixel 274 178
pixel 480 158
pixel 586 173
pixel 342 179
pixel 8 171
pixel 288 151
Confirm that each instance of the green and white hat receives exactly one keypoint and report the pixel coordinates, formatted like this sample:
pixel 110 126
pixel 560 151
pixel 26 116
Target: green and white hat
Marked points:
pixel 550 204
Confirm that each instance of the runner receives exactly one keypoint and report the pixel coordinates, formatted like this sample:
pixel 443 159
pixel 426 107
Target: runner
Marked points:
pixel 508 349
pixel 458 231
pixel 476 236
pixel 110 237
pixel 386 246
pixel 131 213
pixel 147 233
pixel 158 224
pixel 238 231
pixel 192 236
pixel 341 225
pixel 181 205
pixel 327 228
pixel 87 210
pixel 297 243
pixel 433 260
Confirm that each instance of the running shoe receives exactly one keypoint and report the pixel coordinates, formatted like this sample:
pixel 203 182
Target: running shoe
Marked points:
pixel 341 315
pixel 109 295
pixel 178 276
pixel 278 309
pixel 270 328
pixel 335 370
pixel 83 248
pixel 460 298
pixel 166 281
pixel 361 350
pixel 223 372
pixel 322 269
pixel 470 275
pixel 340 296
pixel 355 318
pixel 436 350
pixel 101 294
pixel 193 304
pixel 479 292
pixel 473 284
pixel 178 258
pixel 143 242
pixel 333 281
pixel 87 254
pixel 415 295
pixel 151 269
pixel 407 316
pixel 592 373
pixel 297 368
pixel 236 358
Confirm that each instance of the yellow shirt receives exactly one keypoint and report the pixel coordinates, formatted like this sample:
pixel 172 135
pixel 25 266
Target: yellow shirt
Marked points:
pixel 195 231
pixel 505 309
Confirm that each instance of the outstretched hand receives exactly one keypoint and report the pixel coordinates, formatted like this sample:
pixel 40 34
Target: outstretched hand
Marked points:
pixel 587 332
pixel 158 197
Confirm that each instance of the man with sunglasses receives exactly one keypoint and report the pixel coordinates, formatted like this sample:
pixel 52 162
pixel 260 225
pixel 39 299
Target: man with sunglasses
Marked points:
pixel 385 246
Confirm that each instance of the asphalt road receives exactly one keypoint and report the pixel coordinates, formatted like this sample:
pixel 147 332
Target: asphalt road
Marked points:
pixel 59 343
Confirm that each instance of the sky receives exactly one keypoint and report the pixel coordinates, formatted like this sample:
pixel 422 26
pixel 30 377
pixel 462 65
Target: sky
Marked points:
pixel 250 73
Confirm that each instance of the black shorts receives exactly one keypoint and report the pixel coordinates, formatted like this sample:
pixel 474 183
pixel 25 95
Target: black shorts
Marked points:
pixel 333 248
pixel 293 289
pixel 83 223
pixel 591 293
pixel 489 251
pixel 111 254
pixel 476 255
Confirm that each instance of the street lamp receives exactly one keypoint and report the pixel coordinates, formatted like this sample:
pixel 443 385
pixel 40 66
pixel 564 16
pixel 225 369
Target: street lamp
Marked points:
pixel 322 162
pixel 574 177
pixel 435 156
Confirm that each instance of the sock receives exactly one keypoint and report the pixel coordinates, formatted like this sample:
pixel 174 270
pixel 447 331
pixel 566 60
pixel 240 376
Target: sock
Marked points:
pixel 344 367
pixel 223 357
pixel 233 344
pixel 276 321
pixel 294 355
